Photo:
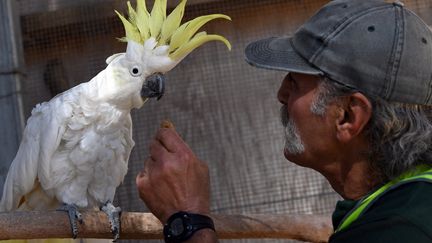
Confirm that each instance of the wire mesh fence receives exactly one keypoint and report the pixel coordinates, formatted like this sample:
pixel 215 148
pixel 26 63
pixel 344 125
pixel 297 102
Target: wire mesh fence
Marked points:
pixel 226 110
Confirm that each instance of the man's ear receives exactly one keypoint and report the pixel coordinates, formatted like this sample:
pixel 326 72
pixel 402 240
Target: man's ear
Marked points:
pixel 353 116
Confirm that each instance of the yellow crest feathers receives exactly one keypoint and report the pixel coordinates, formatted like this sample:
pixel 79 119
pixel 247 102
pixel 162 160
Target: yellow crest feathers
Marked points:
pixel 182 39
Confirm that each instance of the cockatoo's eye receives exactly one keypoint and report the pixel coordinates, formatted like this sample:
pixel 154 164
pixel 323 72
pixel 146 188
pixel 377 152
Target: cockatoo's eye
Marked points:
pixel 135 71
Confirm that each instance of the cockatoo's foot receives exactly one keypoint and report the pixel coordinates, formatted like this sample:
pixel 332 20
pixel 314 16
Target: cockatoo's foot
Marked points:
pixel 154 86
pixel 113 214
pixel 74 216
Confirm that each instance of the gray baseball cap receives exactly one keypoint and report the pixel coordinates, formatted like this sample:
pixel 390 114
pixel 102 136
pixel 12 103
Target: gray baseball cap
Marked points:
pixel 378 48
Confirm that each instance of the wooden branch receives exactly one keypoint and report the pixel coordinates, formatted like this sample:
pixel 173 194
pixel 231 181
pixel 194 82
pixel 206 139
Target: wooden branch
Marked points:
pixel 53 224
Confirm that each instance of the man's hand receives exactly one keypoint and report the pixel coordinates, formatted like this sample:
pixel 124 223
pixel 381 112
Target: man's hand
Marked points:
pixel 173 178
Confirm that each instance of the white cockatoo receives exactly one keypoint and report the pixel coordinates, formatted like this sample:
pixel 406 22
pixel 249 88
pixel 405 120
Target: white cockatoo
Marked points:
pixel 75 148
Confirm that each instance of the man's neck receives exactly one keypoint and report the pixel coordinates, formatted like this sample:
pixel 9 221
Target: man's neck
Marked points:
pixel 353 181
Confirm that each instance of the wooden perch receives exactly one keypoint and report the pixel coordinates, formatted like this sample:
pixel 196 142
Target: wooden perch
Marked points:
pixel 53 224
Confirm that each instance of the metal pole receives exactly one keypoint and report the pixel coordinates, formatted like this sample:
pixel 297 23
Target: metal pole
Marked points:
pixel 11 66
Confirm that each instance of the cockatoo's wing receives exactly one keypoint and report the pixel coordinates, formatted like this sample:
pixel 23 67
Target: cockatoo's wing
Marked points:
pixel 41 138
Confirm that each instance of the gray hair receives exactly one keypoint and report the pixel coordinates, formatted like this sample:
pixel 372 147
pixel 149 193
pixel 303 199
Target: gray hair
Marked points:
pixel 400 135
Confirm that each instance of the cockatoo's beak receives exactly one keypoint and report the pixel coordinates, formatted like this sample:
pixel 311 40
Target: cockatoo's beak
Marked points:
pixel 154 86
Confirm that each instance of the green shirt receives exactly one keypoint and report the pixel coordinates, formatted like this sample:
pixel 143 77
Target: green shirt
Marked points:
pixel 403 214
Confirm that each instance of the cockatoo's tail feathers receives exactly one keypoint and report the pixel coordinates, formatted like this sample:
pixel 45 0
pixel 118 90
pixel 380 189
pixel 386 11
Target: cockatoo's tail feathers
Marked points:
pixel 142 25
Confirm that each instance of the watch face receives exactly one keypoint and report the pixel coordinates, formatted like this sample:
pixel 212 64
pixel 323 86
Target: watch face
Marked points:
pixel 177 227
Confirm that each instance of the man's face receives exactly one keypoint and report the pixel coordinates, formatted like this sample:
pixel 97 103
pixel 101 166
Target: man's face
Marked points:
pixel 306 133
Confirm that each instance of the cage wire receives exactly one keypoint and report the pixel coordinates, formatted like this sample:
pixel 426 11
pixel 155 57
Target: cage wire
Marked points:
pixel 224 109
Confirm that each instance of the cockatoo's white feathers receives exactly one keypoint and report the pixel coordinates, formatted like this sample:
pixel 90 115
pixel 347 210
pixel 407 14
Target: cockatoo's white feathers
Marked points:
pixel 73 151
pixel 112 57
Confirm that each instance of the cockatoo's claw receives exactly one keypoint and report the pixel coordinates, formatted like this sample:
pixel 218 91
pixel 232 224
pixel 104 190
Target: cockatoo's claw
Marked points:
pixel 113 214
pixel 154 86
pixel 74 216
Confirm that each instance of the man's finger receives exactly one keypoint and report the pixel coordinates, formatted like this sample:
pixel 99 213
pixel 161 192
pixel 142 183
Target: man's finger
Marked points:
pixel 169 139
pixel 157 150
pixel 142 178
pixel 148 165
pixel 167 124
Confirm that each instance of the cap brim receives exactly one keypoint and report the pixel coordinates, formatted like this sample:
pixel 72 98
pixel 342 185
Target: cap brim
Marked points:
pixel 277 53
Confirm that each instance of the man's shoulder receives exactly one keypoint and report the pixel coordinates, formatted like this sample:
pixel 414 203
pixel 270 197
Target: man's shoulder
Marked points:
pixel 408 200
pixel 403 213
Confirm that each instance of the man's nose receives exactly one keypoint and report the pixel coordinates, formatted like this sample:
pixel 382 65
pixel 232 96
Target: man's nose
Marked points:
pixel 283 93
pixel 280 96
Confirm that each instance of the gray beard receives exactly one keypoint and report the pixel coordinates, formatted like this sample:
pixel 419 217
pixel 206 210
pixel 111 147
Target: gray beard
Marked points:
pixel 293 143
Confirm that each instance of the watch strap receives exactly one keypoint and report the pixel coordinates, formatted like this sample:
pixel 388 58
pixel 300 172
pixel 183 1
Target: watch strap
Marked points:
pixel 192 223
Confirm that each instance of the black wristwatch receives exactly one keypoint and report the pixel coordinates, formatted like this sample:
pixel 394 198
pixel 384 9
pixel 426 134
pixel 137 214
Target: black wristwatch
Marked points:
pixel 182 225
